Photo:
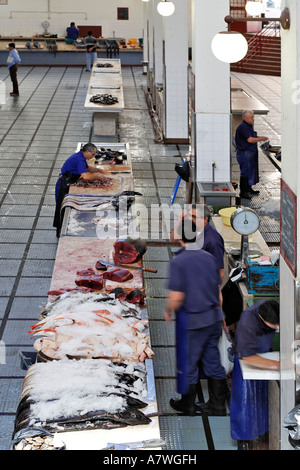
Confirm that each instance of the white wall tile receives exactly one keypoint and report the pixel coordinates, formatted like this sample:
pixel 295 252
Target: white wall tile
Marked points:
pixel 213 146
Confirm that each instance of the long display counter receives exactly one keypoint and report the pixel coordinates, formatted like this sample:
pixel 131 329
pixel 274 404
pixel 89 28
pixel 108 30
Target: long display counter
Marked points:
pixel 105 95
pixel 93 383
pixel 54 51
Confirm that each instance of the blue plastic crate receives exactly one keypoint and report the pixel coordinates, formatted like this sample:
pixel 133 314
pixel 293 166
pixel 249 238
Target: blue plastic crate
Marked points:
pixel 262 279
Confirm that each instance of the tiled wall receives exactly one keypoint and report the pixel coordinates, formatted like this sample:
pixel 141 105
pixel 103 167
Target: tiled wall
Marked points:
pixel 20 18
pixel 176 103
pixel 212 145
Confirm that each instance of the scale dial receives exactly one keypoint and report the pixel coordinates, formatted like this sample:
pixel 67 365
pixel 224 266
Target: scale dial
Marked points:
pixel 244 221
pixel 45 24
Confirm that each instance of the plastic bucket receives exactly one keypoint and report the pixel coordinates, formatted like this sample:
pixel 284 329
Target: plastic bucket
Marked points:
pixel 225 213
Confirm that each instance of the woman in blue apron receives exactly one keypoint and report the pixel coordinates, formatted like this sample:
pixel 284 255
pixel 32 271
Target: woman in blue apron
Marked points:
pixel 249 398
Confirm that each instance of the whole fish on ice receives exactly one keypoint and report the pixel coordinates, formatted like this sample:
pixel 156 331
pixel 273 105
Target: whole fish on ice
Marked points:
pixel 80 329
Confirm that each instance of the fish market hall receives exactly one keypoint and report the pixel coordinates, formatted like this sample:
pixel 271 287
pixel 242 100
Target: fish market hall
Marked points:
pixel 92 354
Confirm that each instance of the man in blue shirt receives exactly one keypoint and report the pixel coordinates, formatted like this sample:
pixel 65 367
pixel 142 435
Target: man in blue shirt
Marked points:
pixel 209 238
pixel 247 154
pixel 249 398
pixel 195 297
pixel 13 61
pixel 72 32
pixel 75 166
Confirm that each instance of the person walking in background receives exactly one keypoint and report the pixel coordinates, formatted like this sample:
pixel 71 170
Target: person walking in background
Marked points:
pixel 91 46
pixel 247 154
pixel 13 61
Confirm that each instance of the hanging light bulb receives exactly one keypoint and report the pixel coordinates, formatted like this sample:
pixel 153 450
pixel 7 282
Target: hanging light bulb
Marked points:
pixel 254 8
pixel 165 8
pixel 229 46
pixel 145 0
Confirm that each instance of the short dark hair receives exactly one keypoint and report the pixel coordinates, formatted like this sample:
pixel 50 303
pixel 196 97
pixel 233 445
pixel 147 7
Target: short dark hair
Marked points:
pixel 72 24
pixel 12 44
pixel 269 311
pixel 188 231
pixel 202 210
pixel 207 212
pixel 90 33
pixel 90 147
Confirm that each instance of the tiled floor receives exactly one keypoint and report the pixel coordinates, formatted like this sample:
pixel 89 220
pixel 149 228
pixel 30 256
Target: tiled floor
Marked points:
pixel 38 131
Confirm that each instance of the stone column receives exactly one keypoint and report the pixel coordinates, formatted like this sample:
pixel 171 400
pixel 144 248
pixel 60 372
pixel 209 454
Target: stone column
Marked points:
pixel 145 37
pixel 157 45
pixel 175 86
pixel 211 118
pixel 290 164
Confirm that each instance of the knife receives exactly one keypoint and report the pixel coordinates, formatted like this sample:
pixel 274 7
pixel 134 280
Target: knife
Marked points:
pixel 106 263
pixel 136 445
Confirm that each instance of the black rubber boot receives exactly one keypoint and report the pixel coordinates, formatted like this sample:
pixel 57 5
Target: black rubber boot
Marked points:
pixel 243 445
pixel 185 404
pixel 216 405
pixel 251 191
pixel 244 188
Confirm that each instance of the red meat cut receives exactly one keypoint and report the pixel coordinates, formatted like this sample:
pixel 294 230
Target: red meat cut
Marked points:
pixel 83 281
pixel 96 282
pixel 119 293
pixel 100 266
pixel 128 251
pixel 136 297
pixel 88 278
pixel 118 275
pixel 85 272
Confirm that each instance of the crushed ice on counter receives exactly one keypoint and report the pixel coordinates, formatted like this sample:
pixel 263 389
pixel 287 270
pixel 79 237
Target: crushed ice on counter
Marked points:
pixel 69 388
pixel 75 227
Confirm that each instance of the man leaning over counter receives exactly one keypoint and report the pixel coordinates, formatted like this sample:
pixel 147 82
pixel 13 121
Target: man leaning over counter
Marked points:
pixel 75 167
pixel 249 398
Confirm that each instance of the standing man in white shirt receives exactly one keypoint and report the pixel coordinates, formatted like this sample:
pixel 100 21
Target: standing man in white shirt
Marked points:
pixel 13 61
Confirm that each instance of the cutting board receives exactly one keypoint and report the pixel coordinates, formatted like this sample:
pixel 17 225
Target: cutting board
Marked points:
pixel 75 254
pixel 110 168
pixel 119 183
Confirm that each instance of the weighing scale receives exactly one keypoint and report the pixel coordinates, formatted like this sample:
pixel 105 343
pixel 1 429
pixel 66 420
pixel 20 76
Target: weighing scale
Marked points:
pixel 244 221
pixel 46 25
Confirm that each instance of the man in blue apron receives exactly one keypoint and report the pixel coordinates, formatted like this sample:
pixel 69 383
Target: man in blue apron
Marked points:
pixel 249 398
pixel 75 166
pixel 247 154
pixel 195 297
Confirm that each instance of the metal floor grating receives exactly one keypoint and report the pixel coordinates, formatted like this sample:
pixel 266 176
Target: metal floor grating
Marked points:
pixel 31 155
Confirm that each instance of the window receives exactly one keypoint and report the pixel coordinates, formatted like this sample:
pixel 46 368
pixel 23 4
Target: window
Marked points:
pixel 123 14
pixel 237 7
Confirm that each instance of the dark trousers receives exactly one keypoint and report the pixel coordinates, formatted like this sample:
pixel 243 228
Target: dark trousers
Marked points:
pixel 13 76
pixel 248 162
pixel 197 350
